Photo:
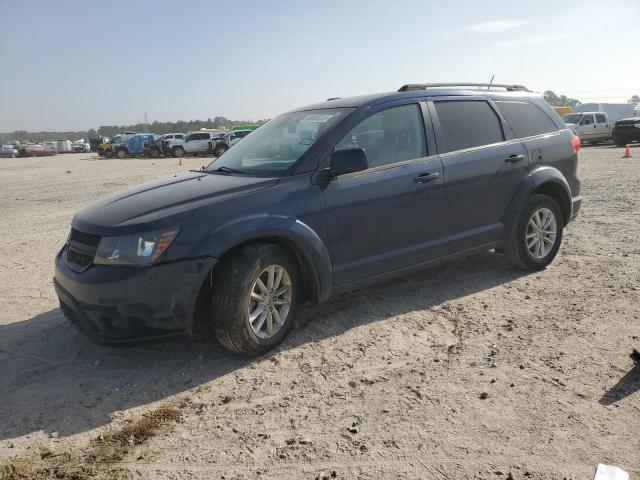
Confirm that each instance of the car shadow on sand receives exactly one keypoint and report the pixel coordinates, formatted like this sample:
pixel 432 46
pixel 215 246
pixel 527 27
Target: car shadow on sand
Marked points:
pixel 628 384
pixel 54 379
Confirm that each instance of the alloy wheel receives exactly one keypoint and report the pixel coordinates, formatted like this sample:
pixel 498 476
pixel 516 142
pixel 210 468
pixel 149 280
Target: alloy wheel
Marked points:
pixel 541 233
pixel 270 301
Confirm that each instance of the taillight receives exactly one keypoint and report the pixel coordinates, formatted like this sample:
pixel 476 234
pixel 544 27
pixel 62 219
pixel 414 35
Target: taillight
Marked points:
pixel 575 143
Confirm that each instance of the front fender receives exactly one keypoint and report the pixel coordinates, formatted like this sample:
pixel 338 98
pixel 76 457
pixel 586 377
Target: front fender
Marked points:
pixel 536 178
pixel 308 243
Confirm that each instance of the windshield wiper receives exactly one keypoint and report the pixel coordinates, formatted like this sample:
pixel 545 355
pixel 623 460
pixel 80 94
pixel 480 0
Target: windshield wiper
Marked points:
pixel 225 169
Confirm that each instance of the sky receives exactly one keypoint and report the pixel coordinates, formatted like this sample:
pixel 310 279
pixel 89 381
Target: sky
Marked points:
pixel 77 64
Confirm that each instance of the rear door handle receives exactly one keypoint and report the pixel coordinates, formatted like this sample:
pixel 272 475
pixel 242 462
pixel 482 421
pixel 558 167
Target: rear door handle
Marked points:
pixel 426 177
pixel 514 158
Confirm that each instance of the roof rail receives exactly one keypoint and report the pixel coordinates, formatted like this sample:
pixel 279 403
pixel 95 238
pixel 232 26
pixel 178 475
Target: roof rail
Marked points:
pixel 333 98
pixel 423 86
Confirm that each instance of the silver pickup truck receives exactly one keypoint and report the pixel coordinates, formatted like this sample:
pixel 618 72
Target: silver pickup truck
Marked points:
pixel 592 127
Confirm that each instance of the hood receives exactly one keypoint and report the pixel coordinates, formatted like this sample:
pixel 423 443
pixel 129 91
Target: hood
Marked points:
pixel 156 204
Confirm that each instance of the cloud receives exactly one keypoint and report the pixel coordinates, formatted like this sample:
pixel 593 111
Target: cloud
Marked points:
pixel 531 40
pixel 498 26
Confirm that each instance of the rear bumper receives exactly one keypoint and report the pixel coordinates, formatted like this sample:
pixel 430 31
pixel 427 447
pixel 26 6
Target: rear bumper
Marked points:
pixel 123 305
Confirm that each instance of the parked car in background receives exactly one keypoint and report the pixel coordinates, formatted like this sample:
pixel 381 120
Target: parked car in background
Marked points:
pixel 80 146
pixel 626 131
pixel 592 127
pixel 375 186
pixel 121 146
pixel 198 143
pixel 173 143
pixel 9 151
pixel 36 150
pixel 228 140
pixel 615 111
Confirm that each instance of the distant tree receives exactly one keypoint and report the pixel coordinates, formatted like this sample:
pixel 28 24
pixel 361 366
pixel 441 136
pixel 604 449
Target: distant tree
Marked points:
pixel 559 101
pixel 634 99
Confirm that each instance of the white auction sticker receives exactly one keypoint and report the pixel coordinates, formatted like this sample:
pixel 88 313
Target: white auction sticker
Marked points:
pixel 317 117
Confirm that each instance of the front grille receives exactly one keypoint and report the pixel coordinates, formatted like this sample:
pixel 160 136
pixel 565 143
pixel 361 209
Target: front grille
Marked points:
pixel 81 249
pixel 85 238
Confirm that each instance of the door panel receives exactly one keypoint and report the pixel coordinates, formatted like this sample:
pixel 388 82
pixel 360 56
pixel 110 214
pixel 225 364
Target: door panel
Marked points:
pixel 479 186
pixel 383 219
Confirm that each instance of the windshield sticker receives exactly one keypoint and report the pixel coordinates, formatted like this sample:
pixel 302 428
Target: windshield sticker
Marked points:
pixel 318 117
pixel 306 141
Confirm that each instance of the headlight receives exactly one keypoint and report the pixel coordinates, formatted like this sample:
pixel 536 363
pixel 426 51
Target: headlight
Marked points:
pixel 139 249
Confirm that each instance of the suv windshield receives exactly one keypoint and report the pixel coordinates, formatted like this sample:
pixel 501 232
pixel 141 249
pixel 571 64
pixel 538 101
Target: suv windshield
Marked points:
pixel 116 139
pixel 278 144
pixel 572 118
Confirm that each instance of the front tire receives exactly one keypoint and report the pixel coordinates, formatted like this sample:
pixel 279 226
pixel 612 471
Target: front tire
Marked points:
pixel 178 151
pixel 220 149
pixel 121 154
pixel 537 234
pixel 254 300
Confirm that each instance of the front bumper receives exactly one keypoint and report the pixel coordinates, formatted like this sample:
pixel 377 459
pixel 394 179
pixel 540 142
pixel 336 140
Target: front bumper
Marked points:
pixel 120 305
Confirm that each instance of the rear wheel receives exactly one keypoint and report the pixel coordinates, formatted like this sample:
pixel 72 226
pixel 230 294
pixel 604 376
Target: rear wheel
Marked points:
pixel 154 152
pixel 537 235
pixel 108 154
pixel 255 294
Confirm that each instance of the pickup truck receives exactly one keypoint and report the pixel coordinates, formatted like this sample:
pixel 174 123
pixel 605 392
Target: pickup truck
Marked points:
pixel 626 131
pixel 592 127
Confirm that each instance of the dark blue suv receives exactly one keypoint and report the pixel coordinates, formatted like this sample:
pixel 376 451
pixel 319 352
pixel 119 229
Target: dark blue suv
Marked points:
pixel 322 200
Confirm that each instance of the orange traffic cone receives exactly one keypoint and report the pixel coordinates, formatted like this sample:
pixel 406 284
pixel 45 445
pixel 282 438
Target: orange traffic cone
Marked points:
pixel 180 162
pixel 627 152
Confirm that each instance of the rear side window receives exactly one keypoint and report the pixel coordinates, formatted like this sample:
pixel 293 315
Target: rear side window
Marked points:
pixel 600 118
pixel 526 119
pixel 467 124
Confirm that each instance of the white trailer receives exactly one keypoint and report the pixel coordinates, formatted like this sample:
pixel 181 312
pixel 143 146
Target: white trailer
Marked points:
pixel 64 146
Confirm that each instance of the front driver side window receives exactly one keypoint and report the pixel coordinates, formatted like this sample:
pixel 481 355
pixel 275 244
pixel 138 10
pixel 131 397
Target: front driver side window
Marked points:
pixel 389 136
pixel 587 120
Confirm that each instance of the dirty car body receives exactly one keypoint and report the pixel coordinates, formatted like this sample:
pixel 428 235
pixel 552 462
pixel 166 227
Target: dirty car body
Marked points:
pixel 343 229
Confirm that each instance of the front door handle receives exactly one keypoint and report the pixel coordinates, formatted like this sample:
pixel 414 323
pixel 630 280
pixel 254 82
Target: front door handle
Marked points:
pixel 514 158
pixel 426 177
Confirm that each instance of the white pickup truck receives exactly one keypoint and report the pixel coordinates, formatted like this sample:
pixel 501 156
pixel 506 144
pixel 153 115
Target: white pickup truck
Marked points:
pixel 592 127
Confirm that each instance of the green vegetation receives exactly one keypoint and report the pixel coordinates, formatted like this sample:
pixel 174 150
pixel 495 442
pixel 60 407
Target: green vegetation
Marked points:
pixel 110 130
pixel 559 100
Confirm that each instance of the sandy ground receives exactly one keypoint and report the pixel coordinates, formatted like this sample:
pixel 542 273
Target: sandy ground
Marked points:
pixel 385 382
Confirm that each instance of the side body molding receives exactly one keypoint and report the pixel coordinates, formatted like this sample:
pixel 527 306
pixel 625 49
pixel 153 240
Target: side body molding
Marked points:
pixel 307 242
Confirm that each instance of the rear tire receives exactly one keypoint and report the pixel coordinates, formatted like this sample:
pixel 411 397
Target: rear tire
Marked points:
pixel 537 234
pixel 236 299
pixel 108 154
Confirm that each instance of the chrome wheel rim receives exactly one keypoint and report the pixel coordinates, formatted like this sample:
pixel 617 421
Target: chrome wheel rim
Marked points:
pixel 270 301
pixel 541 234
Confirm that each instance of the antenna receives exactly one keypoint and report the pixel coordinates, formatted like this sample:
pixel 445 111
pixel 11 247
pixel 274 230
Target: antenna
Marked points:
pixel 491 82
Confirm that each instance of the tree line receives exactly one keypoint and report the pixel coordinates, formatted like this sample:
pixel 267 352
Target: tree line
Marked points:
pixel 159 128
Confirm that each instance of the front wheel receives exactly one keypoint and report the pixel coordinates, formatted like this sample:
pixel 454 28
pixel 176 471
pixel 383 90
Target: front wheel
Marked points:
pixel 255 294
pixel 537 234
pixel 220 149
pixel 121 154
pixel 178 151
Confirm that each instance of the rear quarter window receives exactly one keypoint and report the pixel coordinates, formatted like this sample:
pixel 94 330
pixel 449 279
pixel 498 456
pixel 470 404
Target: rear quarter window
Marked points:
pixel 467 124
pixel 526 119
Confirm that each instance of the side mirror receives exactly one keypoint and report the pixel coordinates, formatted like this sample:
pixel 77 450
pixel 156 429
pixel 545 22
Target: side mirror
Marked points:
pixel 348 160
